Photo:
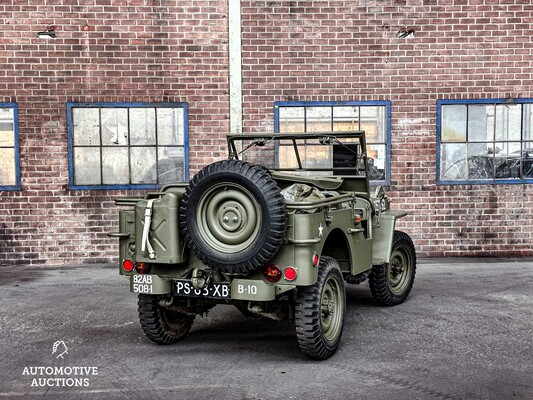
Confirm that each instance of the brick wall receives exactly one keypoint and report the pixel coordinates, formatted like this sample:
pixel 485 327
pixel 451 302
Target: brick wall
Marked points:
pixel 105 51
pixel 340 51
pixel 172 50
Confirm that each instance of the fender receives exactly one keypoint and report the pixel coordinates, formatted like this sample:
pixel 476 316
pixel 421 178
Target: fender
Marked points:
pixel 382 248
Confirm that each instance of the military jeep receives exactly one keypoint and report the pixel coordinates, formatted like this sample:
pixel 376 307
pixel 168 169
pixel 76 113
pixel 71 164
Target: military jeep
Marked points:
pixel 276 230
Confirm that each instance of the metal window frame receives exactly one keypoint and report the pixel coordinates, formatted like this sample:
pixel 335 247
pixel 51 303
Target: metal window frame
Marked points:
pixel 495 181
pixel 16 147
pixel 99 105
pixel 386 103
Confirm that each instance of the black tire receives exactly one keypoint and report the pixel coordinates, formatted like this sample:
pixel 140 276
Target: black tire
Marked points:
pixel 319 322
pixel 233 216
pixel 391 283
pixel 161 325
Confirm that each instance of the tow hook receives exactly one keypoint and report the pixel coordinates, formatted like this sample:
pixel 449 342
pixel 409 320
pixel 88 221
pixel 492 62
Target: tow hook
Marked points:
pixel 200 278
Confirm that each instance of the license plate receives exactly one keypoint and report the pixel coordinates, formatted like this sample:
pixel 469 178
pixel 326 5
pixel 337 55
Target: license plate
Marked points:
pixel 216 290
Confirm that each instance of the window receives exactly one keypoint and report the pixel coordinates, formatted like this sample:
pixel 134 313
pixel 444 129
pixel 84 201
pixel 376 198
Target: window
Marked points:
pixel 9 147
pixel 485 141
pixel 373 117
pixel 127 145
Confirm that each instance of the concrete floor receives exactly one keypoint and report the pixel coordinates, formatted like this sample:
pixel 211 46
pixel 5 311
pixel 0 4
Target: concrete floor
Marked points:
pixel 466 332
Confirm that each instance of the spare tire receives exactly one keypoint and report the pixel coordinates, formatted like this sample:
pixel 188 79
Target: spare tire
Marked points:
pixel 233 216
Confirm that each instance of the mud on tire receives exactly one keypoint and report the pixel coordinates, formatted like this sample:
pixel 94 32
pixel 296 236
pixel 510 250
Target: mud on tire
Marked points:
pixel 233 216
pixel 161 325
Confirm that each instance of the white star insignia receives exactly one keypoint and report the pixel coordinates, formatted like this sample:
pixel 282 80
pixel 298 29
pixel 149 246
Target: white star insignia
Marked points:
pixel 320 229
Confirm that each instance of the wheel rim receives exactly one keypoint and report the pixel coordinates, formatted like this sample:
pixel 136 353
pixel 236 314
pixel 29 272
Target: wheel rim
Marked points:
pixel 331 309
pixel 399 270
pixel 229 218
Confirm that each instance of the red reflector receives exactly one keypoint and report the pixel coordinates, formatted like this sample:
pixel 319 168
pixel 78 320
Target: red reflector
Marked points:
pixel 142 268
pixel 290 273
pixel 315 260
pixel 272 273
pixel 128 265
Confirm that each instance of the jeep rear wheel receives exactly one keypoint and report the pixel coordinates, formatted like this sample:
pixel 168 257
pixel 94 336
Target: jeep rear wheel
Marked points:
pixel 320 310
pixel 162 325
pixel 391 283
pixel 233 216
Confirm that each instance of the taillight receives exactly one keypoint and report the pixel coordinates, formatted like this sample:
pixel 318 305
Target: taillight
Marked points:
pixel 142 268
pixel 290 273
pixel 128 265
pixel 315 260
pixel 272 273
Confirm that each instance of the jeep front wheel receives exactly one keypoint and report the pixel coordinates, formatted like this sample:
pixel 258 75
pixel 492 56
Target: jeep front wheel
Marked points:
pixel 162 325
pixel 391 283
pixel 233 217
pixel 320 310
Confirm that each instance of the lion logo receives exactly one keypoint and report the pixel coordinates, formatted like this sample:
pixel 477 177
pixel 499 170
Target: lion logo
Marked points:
pixel 60 348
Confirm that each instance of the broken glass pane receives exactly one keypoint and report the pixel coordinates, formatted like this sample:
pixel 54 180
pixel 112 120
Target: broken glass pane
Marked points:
pixel 170 127
pixel 87 166
pixel 480 123
pixel 507 160
pixel 453 123
pixel 480 161
pixel 171 165
pixel 143 165
pixel 291 119
pixel 318 119
pixel 376 162
pixel 114 126
pixel 527 160
pixel 86 127
pixel 115 168
pixel 508 121
pixel 142 126
pixel 7 167
pixel 453 165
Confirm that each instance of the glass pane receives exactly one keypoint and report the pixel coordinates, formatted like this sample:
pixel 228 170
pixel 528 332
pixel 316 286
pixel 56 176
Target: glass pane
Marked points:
pixel 115 167
pixel 142 126
pixel 480 123
pixel 376 162
pixel 507 160
pixel 86 126
pixel 287 156
pixel 171 165
pixel 508 121
pixel 318 119
pixel 143 165
pixel 7 128
pixel 170 127
pixel 87 166
pixel 453 165
pixel 7 167
pixel 480 161
pixel 318 157
pixel 528 121
pixel 346 118
pixel 453 123
pixel 373 122
pixel 114 126
pixel 291 119
pixel 527 160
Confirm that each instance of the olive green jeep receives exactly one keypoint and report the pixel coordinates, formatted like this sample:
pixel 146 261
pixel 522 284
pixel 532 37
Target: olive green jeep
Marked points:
pixel 277 230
